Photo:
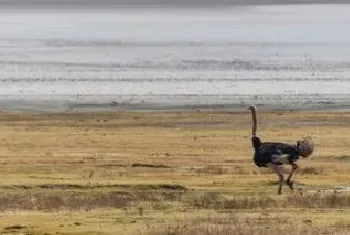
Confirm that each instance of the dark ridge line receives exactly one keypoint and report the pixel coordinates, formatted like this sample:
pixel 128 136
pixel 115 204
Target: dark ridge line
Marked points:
pixel 77 186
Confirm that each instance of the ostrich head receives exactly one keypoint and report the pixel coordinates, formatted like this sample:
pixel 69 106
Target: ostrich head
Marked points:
pixel 252 108
pixel 305 146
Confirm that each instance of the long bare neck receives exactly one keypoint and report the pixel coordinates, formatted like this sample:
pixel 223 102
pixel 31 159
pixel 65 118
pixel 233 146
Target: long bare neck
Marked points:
pixel 254 121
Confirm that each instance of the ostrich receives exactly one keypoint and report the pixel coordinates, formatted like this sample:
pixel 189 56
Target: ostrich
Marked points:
pixel 275 154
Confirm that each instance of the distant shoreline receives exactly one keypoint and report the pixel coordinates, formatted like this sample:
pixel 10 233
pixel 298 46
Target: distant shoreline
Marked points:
pixel 185 103
pixel 143 76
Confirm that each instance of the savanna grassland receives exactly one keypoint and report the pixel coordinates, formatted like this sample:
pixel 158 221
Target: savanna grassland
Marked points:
pixel 178 172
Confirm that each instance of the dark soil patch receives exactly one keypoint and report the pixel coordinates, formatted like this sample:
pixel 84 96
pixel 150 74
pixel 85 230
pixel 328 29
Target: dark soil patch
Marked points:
pixel 149 165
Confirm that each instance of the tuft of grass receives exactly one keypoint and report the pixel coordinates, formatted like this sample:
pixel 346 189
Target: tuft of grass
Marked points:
pixel 311 170
pixel 64 201
pixel 345 158
pixel 223 170
pixel 272 226
pixel 264 224
pixel 217 201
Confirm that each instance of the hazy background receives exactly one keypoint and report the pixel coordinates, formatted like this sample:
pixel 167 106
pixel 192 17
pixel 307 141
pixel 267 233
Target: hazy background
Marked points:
pixel 150 57
pixel 102 3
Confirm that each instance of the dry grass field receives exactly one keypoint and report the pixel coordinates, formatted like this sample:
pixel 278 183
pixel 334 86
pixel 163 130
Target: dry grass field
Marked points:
pixel 178 172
